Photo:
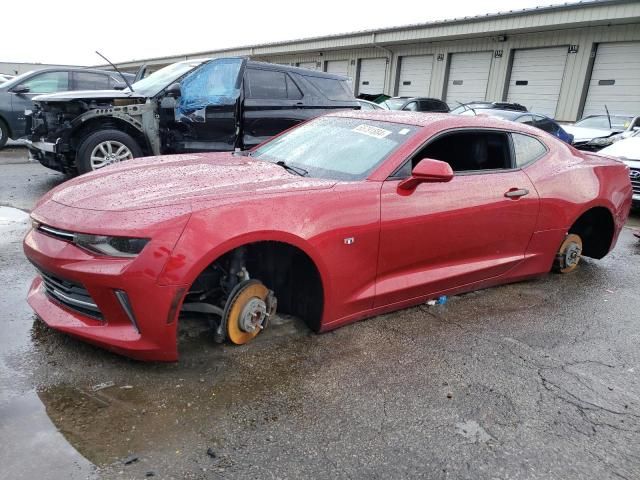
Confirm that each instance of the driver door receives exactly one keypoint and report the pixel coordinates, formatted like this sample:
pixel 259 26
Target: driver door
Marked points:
pixel 445 235
pixel 206 115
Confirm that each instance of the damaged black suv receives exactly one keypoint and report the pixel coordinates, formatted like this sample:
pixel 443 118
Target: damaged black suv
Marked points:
pixel 192 106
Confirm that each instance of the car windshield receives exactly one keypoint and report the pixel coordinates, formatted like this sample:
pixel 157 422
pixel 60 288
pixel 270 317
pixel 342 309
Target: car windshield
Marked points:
pixel 164 77
pixel 394 103
pixel 336 148
pixel 618 122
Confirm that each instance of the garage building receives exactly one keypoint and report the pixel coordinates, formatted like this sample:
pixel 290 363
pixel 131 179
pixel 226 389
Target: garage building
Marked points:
pixel 564 61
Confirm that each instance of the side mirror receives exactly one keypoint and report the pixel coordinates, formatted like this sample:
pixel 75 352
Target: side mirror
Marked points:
pixel 20 89
pixel 173 90
pixel 427 171
pixel 119 86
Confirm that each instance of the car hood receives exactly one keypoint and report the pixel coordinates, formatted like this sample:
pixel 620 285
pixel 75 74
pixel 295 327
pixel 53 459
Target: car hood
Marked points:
pixel 86 94
pixel 179 179
pixel 629 148
pixel 582 134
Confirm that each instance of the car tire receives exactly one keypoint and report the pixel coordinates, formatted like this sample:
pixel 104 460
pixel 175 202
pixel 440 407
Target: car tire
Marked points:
pixel 105 147
pixel 4 133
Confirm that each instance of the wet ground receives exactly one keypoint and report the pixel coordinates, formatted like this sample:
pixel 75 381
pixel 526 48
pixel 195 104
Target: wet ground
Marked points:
pixel 536 380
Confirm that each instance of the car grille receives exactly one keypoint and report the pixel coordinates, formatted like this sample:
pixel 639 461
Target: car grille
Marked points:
pixel 635 180
pixel 70 294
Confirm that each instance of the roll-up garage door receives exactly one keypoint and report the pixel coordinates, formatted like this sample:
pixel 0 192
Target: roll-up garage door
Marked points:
pixel 339 67
pixel 536 78
pixel 309 65
pixel 615 80
pixel 415 76
pixel 372 73
pixel 468 77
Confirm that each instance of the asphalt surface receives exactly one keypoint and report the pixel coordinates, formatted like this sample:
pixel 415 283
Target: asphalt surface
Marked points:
pixel 535 380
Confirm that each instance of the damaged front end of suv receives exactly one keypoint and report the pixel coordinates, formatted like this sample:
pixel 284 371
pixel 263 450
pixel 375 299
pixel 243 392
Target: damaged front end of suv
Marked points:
pixel 78 132
pixel 67 126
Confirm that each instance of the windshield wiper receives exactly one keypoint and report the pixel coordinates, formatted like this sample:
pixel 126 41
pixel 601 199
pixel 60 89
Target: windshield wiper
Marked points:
pixel 290 168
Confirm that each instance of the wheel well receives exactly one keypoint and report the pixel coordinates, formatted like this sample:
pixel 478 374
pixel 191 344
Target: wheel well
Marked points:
pixel 596 228
pixel 2 119
pixel 282 267
pixel 103 123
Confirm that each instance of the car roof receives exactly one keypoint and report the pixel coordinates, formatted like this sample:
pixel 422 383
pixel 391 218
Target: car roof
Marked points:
pixel 438 120
pixel 299 70
pixel 78 69
pixel 416 98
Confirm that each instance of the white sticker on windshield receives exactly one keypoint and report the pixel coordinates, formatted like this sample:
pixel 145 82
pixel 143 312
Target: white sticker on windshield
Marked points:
pixel 372 131
pixel 404 131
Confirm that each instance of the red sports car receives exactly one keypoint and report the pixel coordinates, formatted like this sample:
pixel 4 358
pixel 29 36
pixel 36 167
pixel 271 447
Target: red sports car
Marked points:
pixel 344 217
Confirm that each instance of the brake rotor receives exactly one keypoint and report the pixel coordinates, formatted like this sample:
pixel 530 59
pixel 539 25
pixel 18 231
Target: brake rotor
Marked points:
pixel 569 254
pixel 248 311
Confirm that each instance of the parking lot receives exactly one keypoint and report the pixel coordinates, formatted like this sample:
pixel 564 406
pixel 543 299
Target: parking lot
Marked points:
pixel 535 380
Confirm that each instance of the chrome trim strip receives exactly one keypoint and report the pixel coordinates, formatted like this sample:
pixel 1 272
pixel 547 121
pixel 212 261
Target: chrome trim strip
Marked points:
pixel 72 301
pixel 123 298
pixel 58 233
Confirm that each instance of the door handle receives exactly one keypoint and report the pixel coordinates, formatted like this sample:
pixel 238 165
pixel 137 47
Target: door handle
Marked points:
pixel 516 193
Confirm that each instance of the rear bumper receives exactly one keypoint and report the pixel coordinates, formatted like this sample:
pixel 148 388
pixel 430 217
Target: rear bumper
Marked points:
pixel 151 335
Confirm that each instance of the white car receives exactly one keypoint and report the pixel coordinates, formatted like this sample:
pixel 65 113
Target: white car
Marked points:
pixel 628 150
pixel 595 131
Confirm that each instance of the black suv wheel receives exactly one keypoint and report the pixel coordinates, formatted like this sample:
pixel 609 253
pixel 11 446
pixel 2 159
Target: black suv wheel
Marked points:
pixel 105 147
pixel 4 133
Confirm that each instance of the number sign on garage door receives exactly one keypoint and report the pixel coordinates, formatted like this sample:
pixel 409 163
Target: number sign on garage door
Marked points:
pixel 536 78
pixel 372 73
pixel 468 77
pixel 309 65
pixel 615 80
pixel 415 76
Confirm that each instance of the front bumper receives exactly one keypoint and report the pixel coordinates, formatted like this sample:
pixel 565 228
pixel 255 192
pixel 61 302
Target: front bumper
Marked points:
pixel 152 334
pixel 47 153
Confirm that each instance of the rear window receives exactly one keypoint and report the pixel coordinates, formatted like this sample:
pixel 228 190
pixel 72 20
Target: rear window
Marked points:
pixel 265 84
pixel 527 149
pixel 333 89
pixel 90 81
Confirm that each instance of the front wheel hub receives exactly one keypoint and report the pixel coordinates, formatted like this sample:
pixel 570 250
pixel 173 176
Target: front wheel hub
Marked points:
pixel 247 311
pixel 569 254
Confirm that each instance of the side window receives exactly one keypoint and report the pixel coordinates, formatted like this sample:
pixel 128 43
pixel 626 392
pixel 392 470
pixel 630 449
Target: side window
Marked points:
pixel 469 151
pixel 90 81
pixel 526 119
pixel 293 92
pixel 412 107
pixel 331 88
pixel 527 149
pixel 48 82
pixel 265 84
pixel 546 124
pixel 433 106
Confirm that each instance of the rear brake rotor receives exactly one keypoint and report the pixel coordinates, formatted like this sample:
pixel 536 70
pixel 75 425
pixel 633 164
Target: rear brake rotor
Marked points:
pixel 569 254
pixel 247 313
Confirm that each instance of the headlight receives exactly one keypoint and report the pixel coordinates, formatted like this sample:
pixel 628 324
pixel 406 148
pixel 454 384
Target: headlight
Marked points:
pixel 111 246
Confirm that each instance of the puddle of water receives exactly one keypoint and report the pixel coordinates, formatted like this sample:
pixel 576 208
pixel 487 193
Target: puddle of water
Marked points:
pixel 36 449
pixel 11 216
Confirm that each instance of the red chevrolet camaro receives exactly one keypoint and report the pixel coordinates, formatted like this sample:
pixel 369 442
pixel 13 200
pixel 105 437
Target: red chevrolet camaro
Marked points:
pixel 344 217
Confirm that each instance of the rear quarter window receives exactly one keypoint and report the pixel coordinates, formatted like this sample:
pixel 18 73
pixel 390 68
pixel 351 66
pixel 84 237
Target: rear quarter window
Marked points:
pixel 527 149
pixel 332 88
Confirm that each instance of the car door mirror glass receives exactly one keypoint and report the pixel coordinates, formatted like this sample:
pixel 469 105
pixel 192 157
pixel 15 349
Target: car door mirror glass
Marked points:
pixel 20 89
pixel 427 171
pixel 173 90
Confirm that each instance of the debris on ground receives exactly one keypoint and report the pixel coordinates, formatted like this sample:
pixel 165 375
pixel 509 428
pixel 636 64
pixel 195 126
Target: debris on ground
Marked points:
pixel 130 459
pixel 102 386
pixel 211 452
